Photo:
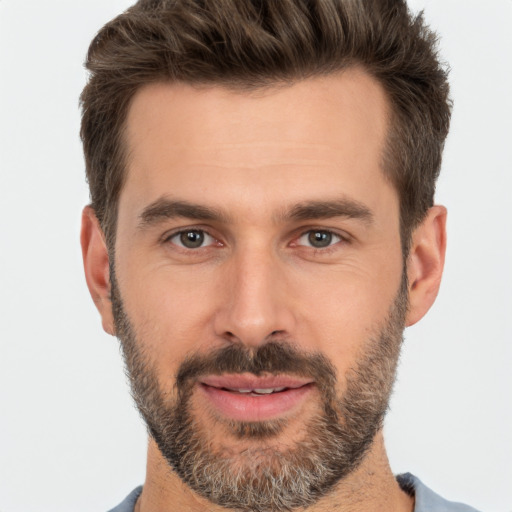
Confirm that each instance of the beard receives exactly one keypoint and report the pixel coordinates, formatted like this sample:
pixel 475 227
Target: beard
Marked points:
pixel 260 476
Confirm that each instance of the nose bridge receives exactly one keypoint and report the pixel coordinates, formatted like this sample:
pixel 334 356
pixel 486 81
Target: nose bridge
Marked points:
pixel 256 305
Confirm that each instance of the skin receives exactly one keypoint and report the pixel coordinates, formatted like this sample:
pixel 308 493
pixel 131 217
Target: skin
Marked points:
pixel 253 157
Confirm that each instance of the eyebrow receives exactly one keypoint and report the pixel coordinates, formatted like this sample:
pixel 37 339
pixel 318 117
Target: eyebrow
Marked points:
pixel 343 207
pixel 166 209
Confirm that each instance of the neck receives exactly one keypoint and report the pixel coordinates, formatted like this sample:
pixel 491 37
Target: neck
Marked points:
pixel 372 486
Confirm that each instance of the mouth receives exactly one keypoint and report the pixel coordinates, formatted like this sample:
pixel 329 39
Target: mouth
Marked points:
pixel 249 398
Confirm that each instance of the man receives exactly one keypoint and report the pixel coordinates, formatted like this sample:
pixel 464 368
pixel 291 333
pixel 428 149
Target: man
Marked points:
pixel 261 230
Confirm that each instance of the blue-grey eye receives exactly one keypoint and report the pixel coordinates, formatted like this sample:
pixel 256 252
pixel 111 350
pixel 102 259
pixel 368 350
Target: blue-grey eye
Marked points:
pixel 318 238
pixel 192 239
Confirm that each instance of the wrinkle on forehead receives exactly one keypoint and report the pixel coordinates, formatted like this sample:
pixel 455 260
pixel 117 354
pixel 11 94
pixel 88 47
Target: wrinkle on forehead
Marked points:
pixel 315 140
pixel 300 118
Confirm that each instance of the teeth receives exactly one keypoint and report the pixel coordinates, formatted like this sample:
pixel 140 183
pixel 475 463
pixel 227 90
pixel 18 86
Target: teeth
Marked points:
pixel 260 391
pixel 267 391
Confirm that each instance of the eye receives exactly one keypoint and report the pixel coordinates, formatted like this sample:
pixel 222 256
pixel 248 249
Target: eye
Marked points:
pixel 191 239
pixel 319 238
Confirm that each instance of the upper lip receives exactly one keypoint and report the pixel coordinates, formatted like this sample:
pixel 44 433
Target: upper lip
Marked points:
pixel 248 381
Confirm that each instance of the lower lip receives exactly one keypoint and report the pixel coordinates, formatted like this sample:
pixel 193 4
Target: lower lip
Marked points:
pixel 244 407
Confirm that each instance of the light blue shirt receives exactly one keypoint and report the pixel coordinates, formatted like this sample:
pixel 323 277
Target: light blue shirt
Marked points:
pixel 426 500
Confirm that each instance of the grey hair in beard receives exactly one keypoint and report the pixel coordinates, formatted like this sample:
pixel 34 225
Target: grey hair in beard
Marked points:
pixel 263 478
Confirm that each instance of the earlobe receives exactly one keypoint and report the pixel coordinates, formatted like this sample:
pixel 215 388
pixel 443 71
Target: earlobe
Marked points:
pixel 96 266
pixel 426 263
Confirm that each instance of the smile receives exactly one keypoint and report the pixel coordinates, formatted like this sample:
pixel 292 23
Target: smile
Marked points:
pixel 250 398
pixel 257 392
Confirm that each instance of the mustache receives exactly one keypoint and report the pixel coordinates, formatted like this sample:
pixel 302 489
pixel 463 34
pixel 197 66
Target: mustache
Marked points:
pixel 274 357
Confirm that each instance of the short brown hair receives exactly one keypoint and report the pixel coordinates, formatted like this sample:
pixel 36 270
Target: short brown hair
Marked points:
pixel 246 44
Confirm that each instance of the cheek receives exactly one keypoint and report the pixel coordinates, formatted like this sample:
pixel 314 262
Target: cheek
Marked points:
pixel 169 311
pixel 342 310
pixel 337 308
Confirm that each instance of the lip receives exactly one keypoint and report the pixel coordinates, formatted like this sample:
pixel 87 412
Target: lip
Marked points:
pixel 247 407
pixel 248 381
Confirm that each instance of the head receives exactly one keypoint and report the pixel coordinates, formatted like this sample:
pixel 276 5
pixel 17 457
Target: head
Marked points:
pixel 254 45
pixel 262 180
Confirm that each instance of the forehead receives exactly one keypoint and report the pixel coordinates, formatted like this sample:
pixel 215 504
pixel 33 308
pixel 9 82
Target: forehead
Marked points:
pixel 303 138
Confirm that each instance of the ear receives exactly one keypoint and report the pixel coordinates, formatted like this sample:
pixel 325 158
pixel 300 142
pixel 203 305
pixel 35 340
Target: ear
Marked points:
pixel 425 263
pixel 96 266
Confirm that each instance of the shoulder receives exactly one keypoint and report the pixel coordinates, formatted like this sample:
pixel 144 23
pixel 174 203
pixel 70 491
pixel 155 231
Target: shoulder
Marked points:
pixel 128 504
pixel 426 499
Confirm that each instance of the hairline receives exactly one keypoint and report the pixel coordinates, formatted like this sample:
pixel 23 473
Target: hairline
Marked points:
pixel 267 84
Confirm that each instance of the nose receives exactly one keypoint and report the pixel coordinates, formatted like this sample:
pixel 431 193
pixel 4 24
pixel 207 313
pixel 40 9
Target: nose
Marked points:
pixel 255 304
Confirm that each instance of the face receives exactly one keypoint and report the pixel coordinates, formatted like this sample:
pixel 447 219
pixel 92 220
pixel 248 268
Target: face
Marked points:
pixel 257 474
pixel 259 289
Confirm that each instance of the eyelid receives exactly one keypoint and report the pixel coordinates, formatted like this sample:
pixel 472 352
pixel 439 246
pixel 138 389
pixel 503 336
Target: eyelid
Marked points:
pixel 335 236
pixel 170 235
pixel 340 239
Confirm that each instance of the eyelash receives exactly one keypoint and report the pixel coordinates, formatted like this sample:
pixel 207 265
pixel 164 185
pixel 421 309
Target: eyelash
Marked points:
pixel 343 239
pixel 168 238
pixel 328 248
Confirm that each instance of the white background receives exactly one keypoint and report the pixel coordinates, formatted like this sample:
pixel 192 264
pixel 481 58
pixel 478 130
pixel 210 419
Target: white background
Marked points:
pixel 70 438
